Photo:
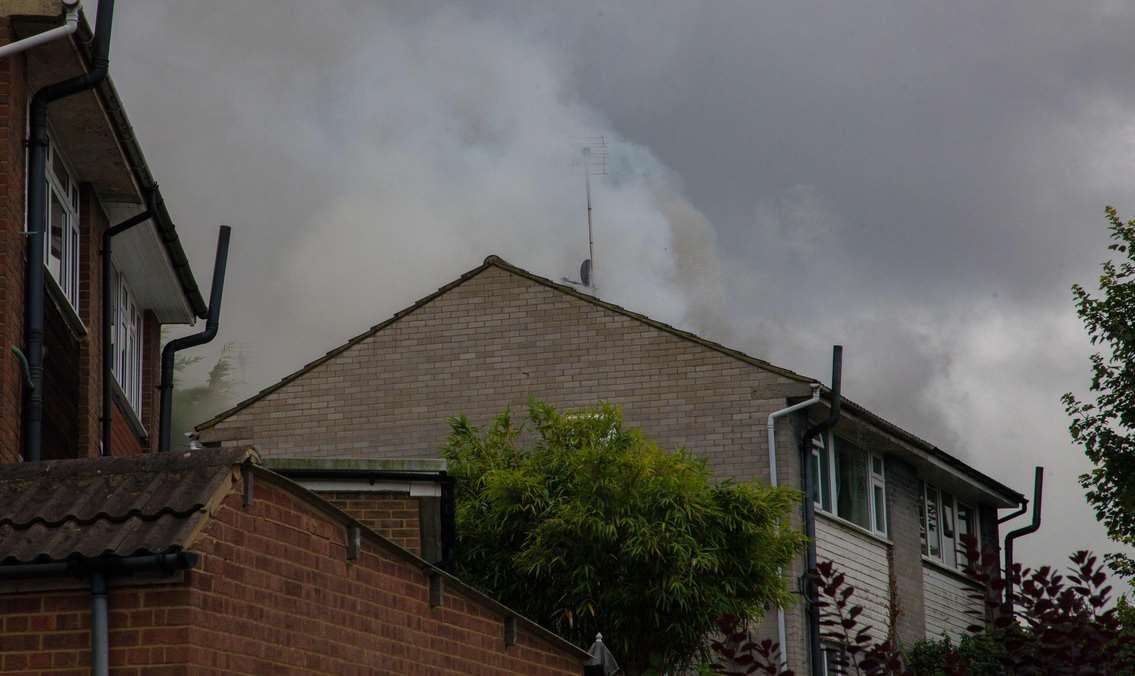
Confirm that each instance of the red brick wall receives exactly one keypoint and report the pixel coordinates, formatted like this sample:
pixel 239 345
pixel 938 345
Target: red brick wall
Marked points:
pixel 123 439
pixel 92 221
pixel 49 632
pixel 394 515
pixel 275 589
pixel 12 245
pixel 275 593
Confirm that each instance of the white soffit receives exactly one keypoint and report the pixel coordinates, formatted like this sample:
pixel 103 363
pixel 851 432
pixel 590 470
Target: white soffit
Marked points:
pixel 140 255
pixel 415 489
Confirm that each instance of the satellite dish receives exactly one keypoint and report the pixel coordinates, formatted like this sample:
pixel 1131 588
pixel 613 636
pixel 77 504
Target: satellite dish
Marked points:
pixel 585 272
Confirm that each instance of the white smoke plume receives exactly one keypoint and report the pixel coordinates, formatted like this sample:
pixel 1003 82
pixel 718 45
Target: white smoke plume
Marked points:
pixel 366 153
pixel 416 144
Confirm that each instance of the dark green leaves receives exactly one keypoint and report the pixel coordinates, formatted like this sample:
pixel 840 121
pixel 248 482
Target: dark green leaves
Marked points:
pixel 587 526
pixel 1105 427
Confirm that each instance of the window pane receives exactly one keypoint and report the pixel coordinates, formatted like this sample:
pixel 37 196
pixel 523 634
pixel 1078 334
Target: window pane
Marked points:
pixel 932 535
pixel 825 479
pixel 880 508
pixel 59 170
pixel 137 380
pixel 816 487
pixel 965 528
pixel 821 479
pixel 835 661
pixel 122 332
pixel 73 254
pixel 57 221
pixel 949 541
pixel 922 516
pixel 877 465
pixel 851 484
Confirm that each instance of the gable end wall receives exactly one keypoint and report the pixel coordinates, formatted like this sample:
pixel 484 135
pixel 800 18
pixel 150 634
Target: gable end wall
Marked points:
pixel 495 341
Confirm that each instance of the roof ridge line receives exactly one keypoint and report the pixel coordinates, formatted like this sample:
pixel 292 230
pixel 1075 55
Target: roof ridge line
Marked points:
pixel 493 260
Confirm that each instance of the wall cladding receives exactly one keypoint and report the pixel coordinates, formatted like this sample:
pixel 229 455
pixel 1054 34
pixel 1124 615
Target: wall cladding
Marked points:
pixel 950 606
pixel 864 561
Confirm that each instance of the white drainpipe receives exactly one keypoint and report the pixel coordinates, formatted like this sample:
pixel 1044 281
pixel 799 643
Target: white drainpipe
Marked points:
pixel 781 631
pixel 70 25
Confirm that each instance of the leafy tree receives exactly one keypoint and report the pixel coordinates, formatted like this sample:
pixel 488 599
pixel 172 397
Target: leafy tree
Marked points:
pixel 587 526
pixel 1106 427
pixel 193 404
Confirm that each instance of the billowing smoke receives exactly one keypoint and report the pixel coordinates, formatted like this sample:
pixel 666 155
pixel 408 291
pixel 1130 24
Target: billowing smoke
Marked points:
pixel 880 175
pixel 388 151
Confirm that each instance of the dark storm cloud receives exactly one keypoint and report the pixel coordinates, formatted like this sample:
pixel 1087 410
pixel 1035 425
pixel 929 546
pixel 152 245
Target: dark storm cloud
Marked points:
pixel 919 181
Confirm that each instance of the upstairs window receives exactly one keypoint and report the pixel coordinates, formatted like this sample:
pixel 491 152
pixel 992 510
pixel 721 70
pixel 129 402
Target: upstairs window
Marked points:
pixel 127 341
pixel 61 246
pixel 850 483
pixel 946 521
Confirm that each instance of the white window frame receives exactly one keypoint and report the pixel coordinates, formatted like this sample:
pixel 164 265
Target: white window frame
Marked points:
pixel 877 512
pixel 127 337
pixel 830 651
pixel 66 191
pixel 945 541
pixel 826 451
pixel 824 489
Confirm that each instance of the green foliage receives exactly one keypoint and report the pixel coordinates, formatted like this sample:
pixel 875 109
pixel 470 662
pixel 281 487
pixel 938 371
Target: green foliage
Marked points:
pixel 194 404
pixel 1125 647
pixel 588 526
pixel 1106 427
pixel 982 654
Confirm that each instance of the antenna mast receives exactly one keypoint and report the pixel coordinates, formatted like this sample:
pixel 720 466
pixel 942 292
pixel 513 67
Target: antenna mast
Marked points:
pixel 594 162
pixel 590 281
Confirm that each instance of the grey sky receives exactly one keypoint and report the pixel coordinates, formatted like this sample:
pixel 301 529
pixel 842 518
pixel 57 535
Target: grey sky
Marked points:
pixel 919 181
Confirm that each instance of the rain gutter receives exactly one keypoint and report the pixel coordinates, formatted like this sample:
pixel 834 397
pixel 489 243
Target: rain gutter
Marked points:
pixel 781 630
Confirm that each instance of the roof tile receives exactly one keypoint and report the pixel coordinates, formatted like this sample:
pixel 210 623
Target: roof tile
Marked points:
pixel 151 504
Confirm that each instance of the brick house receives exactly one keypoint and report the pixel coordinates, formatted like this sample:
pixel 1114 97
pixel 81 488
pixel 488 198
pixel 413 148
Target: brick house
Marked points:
pixel 160 562
pixel 890 508
pixel 207 562
pixel 96 177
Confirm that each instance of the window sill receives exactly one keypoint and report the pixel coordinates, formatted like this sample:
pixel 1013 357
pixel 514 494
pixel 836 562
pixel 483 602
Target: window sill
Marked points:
pixel 848 525
pixel 68 312
pixel 952 572
pixel 128 413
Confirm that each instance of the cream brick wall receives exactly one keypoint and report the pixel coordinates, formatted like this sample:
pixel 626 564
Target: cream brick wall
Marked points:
pixel 495 341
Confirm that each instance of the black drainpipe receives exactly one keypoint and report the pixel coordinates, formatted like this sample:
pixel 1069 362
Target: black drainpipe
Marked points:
pixel 814 648
pixel 37 219
pixel 100 625
pixel 98 573
pixel 212 325
pixel 448 523
pixel 108 325
pixel 1038 491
